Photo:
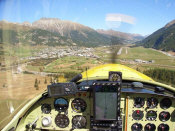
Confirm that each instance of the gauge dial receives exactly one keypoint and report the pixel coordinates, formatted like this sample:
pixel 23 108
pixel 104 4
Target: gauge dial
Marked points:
pixel 79 105
pixel 46 121
pixel 61 120
pixel 152 102
pixel 114 77
pixel 61 104
pixel 137 115
pixel 151 115
pixel 165 103
pixel 139 102
pixel 150 127
pixel 164 116
pixel 163 127
pixel 136 127
pixel 46 108
pixel 79 122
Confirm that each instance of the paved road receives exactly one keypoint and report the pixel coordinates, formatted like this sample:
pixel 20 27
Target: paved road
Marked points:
pixel 126 48
pixel 120 51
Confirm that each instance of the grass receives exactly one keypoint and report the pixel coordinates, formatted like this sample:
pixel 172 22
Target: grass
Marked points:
pixel 147 54
pixel 39 64
pixel 71 64
pixel 11 54
pixel 20 51
pixel 16 88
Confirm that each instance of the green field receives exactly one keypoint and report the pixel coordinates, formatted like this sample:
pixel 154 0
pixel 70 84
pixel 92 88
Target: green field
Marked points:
pixel 147 54
pixel 160 60
pixel 71 64
pixel 128 55
pixel 11 54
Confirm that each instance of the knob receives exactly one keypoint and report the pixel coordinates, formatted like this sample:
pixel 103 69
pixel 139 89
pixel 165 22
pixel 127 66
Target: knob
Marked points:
pixel 136 127
pixel 163 127
pixel 150 127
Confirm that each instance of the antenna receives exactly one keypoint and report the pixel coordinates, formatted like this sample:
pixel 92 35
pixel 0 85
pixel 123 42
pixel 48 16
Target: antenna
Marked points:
pixel 86 76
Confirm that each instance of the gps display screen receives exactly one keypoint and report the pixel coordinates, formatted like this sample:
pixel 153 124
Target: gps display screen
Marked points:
pixel 105 105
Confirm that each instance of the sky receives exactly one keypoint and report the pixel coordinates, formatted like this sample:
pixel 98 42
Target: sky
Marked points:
pixel 132 16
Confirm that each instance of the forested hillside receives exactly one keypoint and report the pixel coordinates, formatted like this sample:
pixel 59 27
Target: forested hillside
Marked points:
pixel 162 75
pixel 163 39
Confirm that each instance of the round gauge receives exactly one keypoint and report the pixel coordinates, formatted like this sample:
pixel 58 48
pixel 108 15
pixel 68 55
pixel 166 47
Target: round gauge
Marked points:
pixel 139 102
pixel 165 103
pixel 79 105
pixel 46 121
pixel 61 120
pixel 46 108
pixel 164 116
pixel 61 104
pixel 152 102
pixel 151 115
pixel 163 127
pixel 114 77
pixel 150 127
pixel 136 127
pixel 79 121
pixel 137 115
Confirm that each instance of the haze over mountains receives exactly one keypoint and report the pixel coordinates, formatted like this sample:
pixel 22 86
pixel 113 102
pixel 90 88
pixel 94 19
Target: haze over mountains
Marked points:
pixel 162 39
pixel 127 37
pixel 53 31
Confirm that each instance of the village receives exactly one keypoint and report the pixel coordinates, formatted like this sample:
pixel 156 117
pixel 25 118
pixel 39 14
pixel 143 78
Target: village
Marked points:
pixel 58 52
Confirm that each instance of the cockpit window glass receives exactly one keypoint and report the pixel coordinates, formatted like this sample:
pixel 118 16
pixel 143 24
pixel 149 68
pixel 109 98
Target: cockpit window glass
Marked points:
pixel 44 42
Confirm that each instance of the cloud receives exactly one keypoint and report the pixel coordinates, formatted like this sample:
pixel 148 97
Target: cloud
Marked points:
pixel 120 18
pixel 168 5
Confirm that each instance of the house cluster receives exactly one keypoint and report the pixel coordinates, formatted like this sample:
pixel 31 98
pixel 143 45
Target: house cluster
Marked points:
pixel 58 52
pixel 143 61
pixel 137 61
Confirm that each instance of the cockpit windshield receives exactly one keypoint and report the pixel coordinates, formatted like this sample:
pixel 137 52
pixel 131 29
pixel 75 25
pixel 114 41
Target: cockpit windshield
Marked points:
pixel 44 42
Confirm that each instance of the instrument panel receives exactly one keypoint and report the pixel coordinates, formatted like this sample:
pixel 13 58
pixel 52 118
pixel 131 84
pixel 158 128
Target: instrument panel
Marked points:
pixel 139 112
pixel 58 113
pixel 148 112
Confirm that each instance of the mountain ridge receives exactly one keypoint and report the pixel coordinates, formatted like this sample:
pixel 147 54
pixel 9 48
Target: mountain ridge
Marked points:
pixel 129 36
pixel 162 39
pixel 71 32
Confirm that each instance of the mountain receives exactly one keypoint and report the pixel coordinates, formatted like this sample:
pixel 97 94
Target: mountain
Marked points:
pixel 126 37
pixel 79 34
pixel 15 33
pixel 53 31
pixel 162 39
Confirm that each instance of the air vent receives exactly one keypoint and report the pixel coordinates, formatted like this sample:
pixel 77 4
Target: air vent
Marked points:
pixel 159 89
pixel 137 85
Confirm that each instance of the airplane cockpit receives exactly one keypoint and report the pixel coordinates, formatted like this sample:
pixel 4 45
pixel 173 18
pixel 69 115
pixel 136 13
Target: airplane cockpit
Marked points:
pixel 105 98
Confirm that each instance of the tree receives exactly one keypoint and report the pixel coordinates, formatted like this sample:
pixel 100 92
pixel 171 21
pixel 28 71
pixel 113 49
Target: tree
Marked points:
pixel 45 81
pixel 36 84
pixel 137 69
pixel 51 79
